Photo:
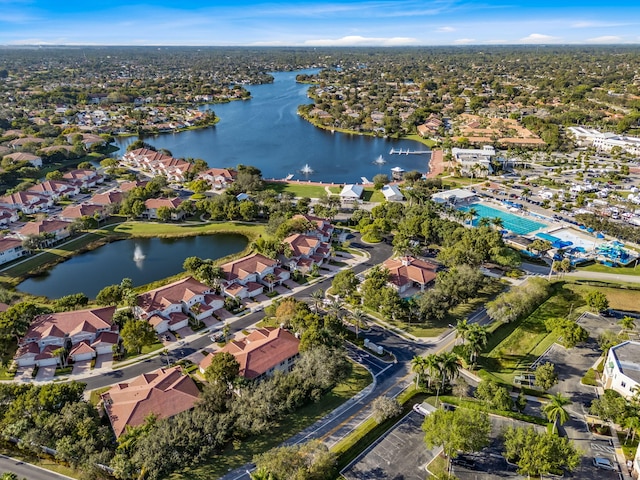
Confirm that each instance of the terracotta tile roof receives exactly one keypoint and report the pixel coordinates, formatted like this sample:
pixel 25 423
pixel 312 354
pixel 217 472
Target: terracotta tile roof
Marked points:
pixel 22 198
pixel 110 338
pixel 302 245
pixel 80 174
pixel 9 243
pixel 260 351
pixel 240 269
pixel 127 186
pixel 22 157
pixel 81 348
pixel 164 392
pixel 172 294
pixel 163 202
pixel 39 227
pixel 70 323
pixel 47 352
pixel 408 269
pixel 107 198
pixel 50 186
pixel 82 210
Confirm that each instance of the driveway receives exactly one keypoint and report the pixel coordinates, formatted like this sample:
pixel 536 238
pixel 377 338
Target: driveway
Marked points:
pixel 104 360
pixel 81 366
pixel 46 374
pixel 223 314
pixel 400 454
pixel 23 374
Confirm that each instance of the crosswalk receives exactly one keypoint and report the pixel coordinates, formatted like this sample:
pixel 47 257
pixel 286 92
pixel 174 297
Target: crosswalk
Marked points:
pixel 603 448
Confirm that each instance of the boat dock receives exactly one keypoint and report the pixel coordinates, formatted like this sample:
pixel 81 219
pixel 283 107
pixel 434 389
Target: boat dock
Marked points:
pixel 365 181
pixel 393 151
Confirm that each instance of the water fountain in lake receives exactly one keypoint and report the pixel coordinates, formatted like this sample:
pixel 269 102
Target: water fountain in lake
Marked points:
pixel 138 256
pixel 306 169
pixel 379 161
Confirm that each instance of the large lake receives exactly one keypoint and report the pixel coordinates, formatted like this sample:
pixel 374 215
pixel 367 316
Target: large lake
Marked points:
pixel 144 260
pixel 267 132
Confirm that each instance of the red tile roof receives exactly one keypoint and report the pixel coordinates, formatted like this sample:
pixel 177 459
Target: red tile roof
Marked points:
pixel 408 269
pixel 260 351
pixel 171 294
pixel 70 323
pixel 164 392
pixel 240 269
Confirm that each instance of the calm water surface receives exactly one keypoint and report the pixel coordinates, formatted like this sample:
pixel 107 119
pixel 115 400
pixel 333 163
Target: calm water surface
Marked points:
pixel 267 132
pixel 144 260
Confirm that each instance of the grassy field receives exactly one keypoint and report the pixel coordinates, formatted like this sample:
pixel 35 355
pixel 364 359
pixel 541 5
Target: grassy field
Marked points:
pixel 598 267
pixel 243 452
pixel 514 346
pixel 152 229
pixel 619 298
pixel 425 141
pixel 299 190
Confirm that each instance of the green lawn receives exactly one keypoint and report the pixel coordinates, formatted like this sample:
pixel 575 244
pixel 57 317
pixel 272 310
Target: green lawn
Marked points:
pixel 425 141
pixel 299 190
pixel 151 229
pixel 619 298
pixel 514 346
pixel 243 452
pixel 598 267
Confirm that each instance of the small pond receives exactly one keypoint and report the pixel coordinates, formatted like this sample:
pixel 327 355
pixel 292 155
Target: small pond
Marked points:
pixel 143 260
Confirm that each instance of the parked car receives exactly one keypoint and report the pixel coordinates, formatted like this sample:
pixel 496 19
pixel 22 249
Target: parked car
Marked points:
pixel 465 462
pixel 422 409
pixel 603 463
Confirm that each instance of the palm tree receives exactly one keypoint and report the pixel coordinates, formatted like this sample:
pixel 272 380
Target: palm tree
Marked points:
pixel 448 366
pixel 462 329
pixel 497 222
pixel 418 366
pixel 431 367
pixel 270 280
pixel 358 317
pixel 555 266
pixel 477 336
pixel 555 411
pixel 317 296
pixel 627 323
pixel 471 214
pixel 262 474
pixel 335 308
pixel 59 352
pixel 632 424
pixel 484 222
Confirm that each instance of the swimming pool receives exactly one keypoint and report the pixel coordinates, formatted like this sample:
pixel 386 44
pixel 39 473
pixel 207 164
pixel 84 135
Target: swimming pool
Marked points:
pixel 514 223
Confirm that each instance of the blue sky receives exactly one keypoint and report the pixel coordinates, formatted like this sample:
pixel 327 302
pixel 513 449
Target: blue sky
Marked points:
pixel 316 23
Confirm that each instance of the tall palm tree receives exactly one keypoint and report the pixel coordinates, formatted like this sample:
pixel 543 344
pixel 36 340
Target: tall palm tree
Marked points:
pixel 497 222
pixel 471 214
pixel 270 280
pixel 484 222
pixel 418 366
pixel 431 367
pixel 462 329
pixel 555 411
pixel 627 323
pixel 632 424
pixel 335 307
pixel 317 296
pixel 448 367
pixel 477 337
pixel 60 353
pixel 358 317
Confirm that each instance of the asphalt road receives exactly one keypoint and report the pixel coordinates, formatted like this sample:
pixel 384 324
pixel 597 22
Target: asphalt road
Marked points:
pixel 27 470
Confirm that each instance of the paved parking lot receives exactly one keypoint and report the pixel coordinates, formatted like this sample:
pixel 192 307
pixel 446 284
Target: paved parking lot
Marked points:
pixel 398 455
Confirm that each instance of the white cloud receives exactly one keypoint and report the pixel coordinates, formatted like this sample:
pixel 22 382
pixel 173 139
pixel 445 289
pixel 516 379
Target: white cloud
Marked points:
pixel 356 40
pixel 605 39
pixel 446 29
pixel 539 38
pixel 464 41
pixel 592 24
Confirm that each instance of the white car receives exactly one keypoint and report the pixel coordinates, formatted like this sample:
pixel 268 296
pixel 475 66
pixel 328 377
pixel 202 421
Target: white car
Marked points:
pixel 423 409
pixel 603 463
